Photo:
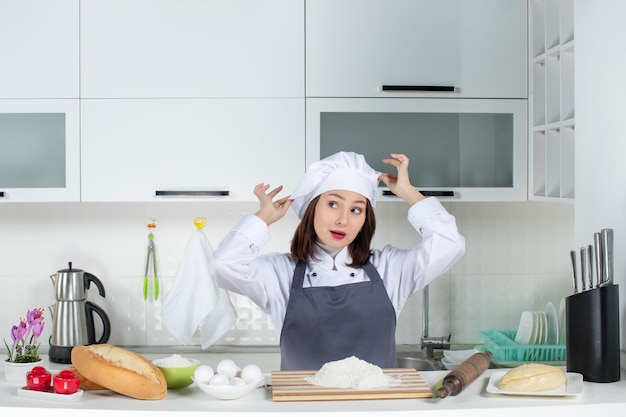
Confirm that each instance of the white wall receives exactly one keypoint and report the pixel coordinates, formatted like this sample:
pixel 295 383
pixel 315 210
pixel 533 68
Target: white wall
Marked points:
pixel 516 259
pixel 600 138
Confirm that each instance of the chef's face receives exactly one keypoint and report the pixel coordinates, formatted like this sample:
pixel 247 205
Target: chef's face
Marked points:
pixel 339 217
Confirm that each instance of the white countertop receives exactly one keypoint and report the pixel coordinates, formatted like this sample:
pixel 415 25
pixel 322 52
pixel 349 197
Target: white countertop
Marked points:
pixel 474 400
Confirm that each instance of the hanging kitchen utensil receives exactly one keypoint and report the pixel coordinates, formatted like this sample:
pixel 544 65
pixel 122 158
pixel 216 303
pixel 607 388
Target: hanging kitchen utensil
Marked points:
pixel 151 258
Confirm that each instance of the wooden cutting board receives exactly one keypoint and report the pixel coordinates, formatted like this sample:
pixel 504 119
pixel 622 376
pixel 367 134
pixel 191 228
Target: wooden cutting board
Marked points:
pixel 293 386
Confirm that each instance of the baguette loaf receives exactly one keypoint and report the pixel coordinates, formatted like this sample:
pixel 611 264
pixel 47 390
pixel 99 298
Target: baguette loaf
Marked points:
pixel 85 384
pixel 120 370
pixel 533 377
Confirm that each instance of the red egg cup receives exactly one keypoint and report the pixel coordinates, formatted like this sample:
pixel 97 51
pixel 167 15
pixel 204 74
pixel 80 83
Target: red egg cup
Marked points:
pixel 38 379
pixel 65 382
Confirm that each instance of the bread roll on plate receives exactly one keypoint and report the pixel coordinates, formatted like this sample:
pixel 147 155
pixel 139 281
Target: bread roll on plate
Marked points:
pixel 120 370
pixel 533 377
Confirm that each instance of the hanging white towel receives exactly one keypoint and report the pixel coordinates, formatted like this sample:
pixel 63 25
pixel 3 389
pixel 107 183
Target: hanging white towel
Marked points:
pixel 195 301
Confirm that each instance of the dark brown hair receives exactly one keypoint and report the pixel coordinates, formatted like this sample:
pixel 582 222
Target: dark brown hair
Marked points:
pixel 304 238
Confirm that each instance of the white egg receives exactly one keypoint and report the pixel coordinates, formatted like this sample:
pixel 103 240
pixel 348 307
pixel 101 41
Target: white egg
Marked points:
pixel 203 373
pixel 219 379
pixel 251 373
pixel 237 381
pixel 227 367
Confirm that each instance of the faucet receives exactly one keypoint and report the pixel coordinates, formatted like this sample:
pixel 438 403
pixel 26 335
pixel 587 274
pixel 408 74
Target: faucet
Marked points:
pixel 428 344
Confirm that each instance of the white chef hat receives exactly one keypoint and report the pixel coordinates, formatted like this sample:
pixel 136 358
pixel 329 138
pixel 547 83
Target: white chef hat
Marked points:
pixel 341 171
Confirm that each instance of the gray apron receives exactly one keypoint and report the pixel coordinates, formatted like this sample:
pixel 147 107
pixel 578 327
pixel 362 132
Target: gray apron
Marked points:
pixel 324 324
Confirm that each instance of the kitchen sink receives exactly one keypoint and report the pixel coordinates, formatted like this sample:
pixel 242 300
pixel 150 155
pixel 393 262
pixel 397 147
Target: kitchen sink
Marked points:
pixel 420 363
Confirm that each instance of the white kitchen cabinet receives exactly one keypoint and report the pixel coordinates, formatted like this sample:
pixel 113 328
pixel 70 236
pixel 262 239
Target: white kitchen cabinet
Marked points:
pixel 39 49
pixel 189 149
pixel 460 150
pixel 39 150
pixel 551 100
pixel 192 48
pixel 477 48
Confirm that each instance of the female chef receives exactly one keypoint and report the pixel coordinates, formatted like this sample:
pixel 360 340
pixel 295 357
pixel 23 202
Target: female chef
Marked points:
pixel 333 296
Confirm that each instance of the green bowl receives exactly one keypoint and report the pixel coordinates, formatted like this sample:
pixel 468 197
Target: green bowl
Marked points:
pixel 179 377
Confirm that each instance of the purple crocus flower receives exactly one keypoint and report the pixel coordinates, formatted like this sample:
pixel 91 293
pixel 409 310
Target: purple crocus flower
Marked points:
pixel 25 336
pixel 18 332
pixel 35 322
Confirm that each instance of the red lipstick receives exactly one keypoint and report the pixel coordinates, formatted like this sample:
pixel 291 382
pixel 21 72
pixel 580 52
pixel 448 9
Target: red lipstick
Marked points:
pixel 338 234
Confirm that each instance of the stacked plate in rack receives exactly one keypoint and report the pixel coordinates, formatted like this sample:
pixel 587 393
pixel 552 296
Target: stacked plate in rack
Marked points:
pixel 539 327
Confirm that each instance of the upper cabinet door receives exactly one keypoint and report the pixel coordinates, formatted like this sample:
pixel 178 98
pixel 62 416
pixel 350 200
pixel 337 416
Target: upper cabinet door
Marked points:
pixel 192 48
pixel 39 150
pixel 39 49
pixel 475 48
pixel 189 149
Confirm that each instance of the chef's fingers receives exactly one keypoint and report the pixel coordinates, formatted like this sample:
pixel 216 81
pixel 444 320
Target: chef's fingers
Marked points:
pixel 282 201
pixel 275 191
pixel 398 160
pixel 388 179
pixel 260 189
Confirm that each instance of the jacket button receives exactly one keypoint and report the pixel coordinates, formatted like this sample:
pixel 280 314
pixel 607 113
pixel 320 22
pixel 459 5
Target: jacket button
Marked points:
pixel 351 274
pixel 314 274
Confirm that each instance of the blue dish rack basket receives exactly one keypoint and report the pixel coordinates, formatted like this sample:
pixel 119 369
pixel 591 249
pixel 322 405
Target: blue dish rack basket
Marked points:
pixel 503 347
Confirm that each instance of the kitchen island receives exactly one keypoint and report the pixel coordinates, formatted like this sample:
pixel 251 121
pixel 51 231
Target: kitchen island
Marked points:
pixel 190 401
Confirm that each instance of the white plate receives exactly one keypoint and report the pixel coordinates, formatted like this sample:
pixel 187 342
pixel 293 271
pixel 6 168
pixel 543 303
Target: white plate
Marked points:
pixel 228 392
pixel 541 328
pixel 574 386
pixel 49 395
pixel 536 332
pixel 562 321
pixel 525 328
pixel 553 324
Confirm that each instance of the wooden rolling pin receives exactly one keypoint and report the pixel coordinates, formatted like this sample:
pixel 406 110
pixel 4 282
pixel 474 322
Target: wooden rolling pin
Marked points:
pixel 466 373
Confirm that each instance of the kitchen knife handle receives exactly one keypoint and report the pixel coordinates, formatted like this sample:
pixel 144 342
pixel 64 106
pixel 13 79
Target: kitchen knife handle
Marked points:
pixel 427 88
pixel 583 268
pixel 572 255
pixel 590 266
pixel 607 243
pixel 598 251
pixel 192 193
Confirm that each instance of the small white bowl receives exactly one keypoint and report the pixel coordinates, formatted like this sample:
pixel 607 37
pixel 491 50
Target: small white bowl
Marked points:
pixel 450 365
pixel 458 356
pixel 228 392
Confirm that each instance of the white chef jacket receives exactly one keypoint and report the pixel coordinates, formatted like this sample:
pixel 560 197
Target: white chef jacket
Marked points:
pixel 266 279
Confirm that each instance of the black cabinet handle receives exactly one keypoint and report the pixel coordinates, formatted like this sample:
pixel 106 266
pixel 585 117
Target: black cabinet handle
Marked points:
pixel 433 193
pixel 432 88
pixel 191 193
pixel 1 194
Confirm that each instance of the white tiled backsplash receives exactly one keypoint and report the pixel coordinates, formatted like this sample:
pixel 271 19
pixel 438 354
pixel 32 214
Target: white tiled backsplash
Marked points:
pixel 516 259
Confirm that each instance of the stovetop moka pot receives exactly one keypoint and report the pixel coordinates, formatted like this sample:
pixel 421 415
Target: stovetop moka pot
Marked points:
pixel 73 315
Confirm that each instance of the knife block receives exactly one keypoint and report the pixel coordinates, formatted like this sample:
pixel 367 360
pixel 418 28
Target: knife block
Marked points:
pixel 592 334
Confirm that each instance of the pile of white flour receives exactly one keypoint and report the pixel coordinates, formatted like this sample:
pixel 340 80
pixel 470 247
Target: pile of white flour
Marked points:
pixel 351 372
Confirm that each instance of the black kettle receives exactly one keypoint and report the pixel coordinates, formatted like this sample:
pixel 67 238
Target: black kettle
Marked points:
pixel 73 315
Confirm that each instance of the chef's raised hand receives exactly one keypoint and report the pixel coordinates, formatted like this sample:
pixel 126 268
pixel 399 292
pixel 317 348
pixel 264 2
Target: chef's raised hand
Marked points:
pixel 271 211
pixel 399 183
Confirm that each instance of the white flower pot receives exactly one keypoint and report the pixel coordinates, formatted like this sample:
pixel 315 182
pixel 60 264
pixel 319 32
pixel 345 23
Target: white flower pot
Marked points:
pixel 16 372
